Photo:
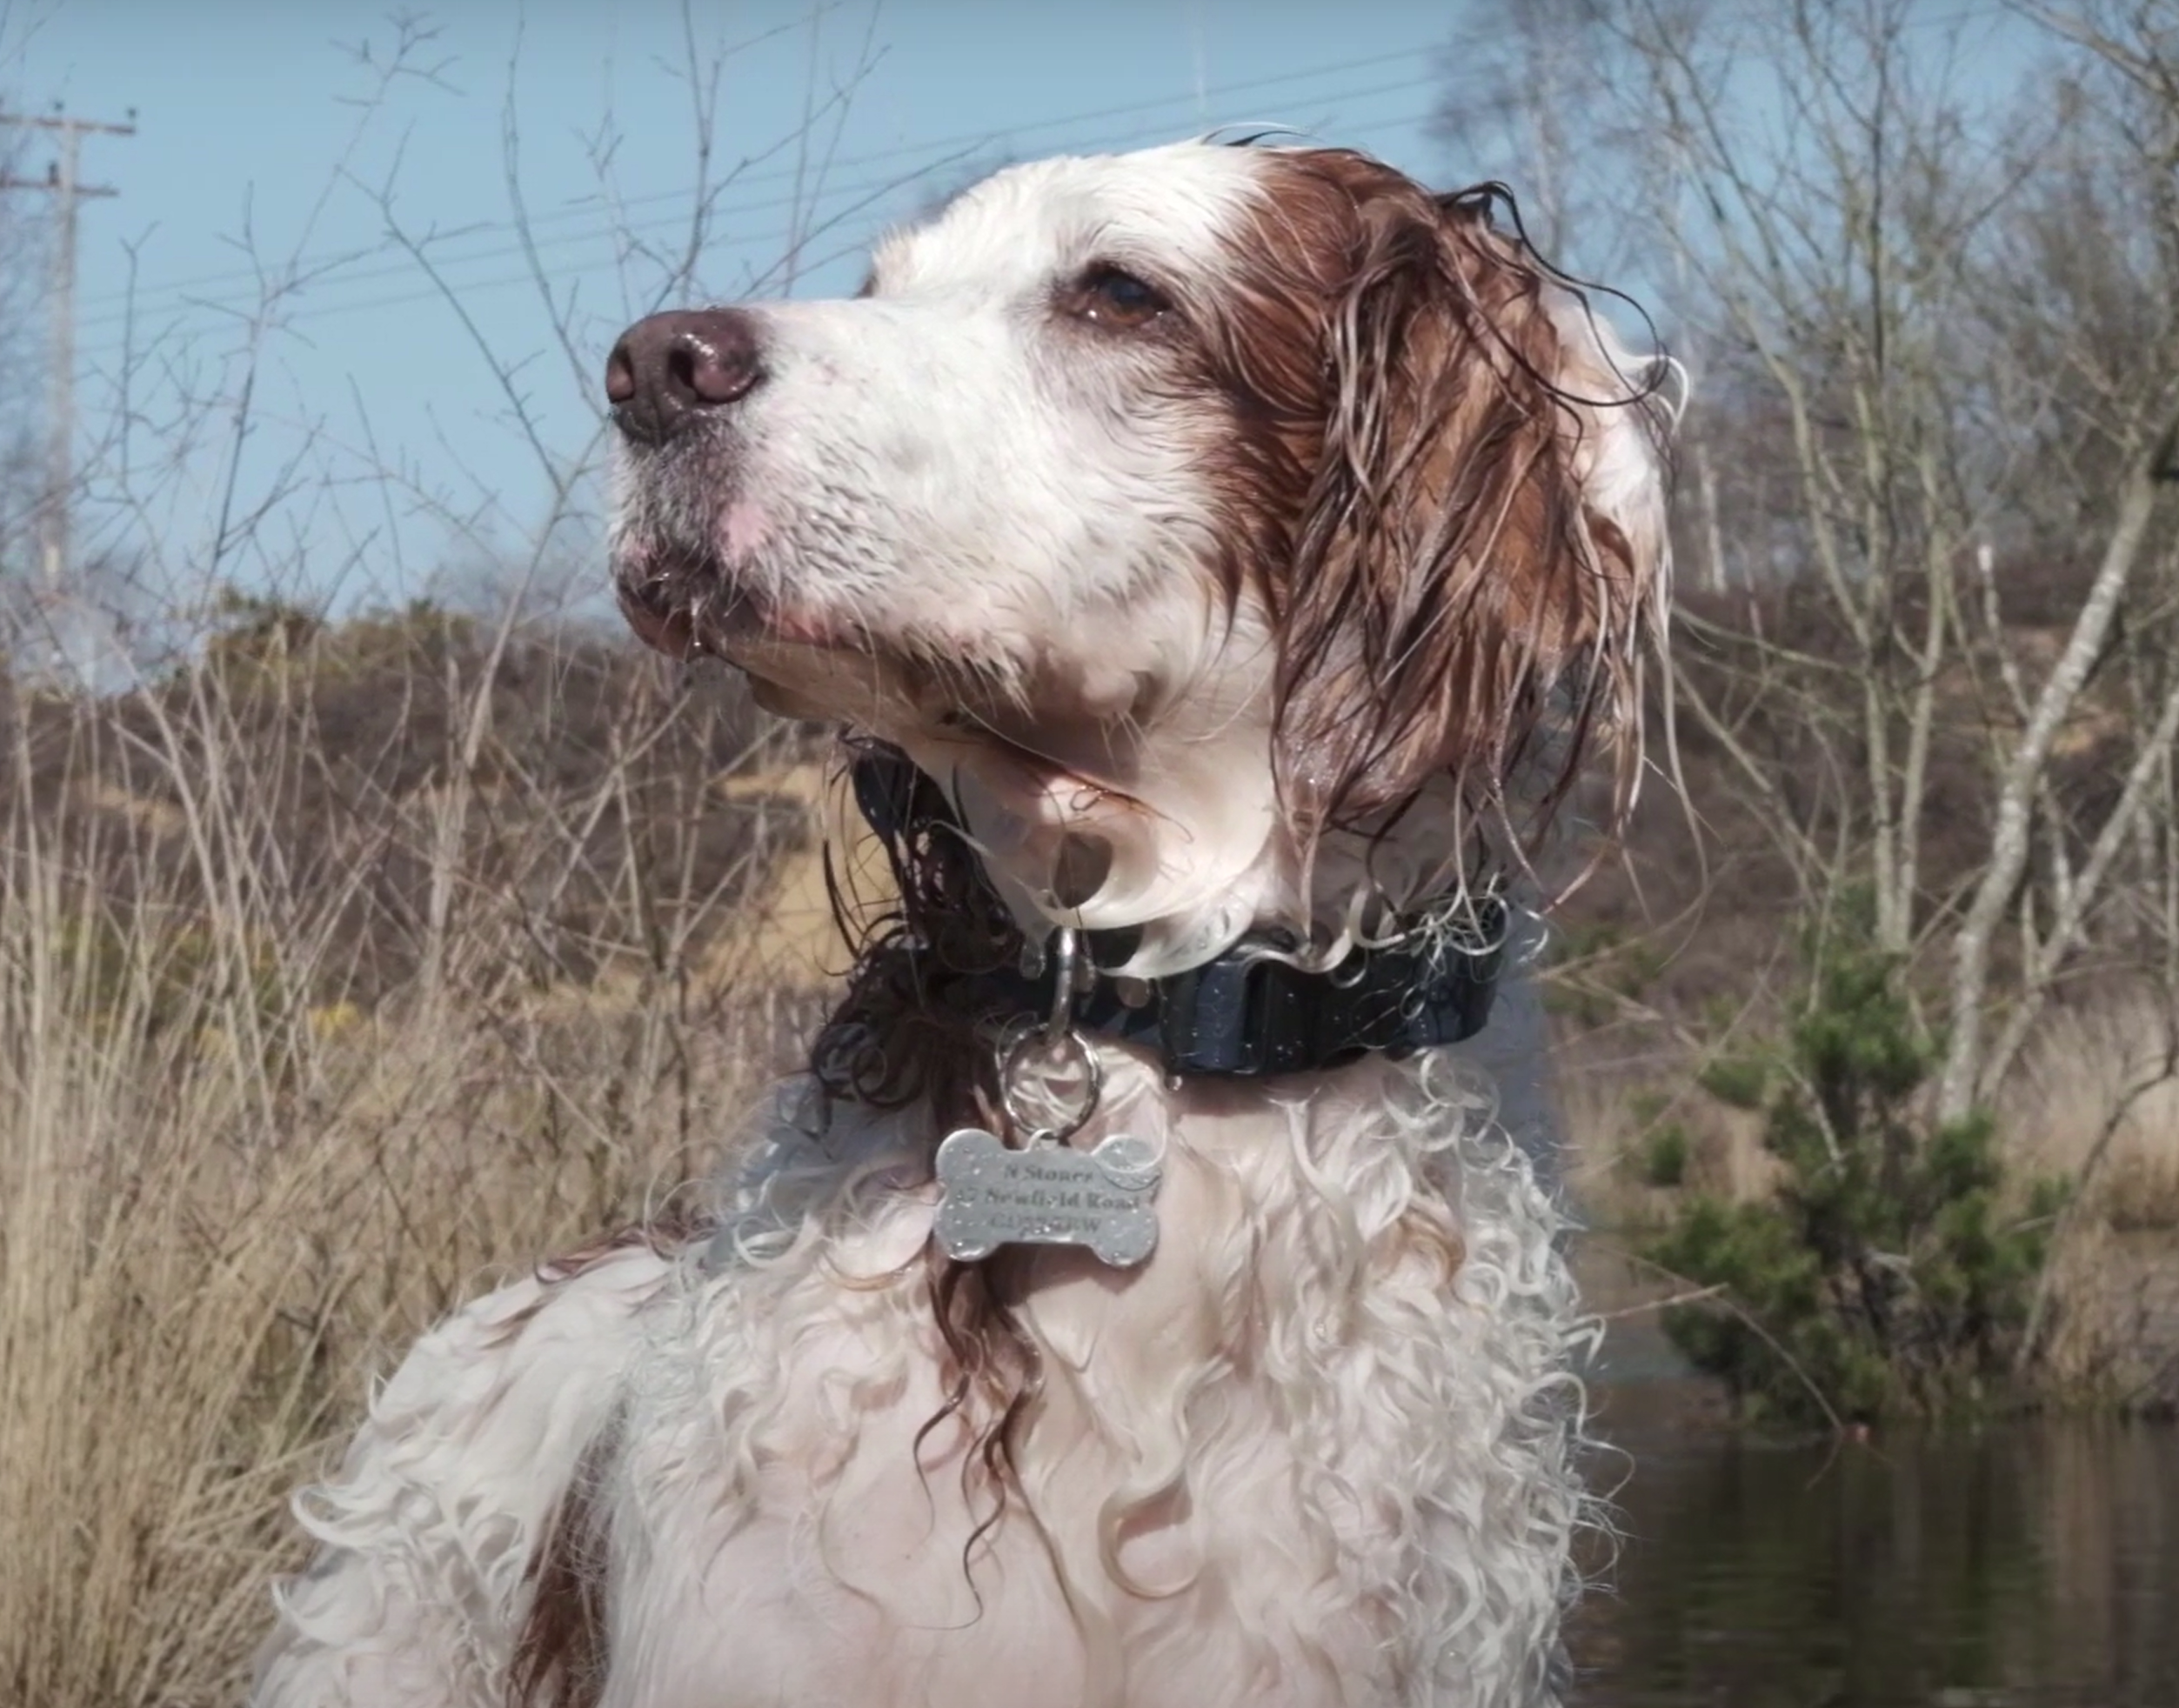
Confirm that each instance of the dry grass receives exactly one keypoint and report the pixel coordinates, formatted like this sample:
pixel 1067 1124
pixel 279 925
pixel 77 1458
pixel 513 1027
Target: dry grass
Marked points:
pixel 1612 1119
pixel 2071 1087
pixel 2093 1104
pixel 263 1117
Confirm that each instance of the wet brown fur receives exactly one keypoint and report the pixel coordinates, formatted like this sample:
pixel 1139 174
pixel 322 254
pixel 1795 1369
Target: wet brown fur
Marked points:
pixel 559 1659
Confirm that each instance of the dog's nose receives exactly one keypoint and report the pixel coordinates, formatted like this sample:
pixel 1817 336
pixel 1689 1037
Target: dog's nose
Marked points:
pixel 670 369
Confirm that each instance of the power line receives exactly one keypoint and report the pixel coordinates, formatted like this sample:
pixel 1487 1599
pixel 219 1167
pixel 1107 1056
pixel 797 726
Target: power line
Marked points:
pixel 508 281
pixel 122 308
pixel 63 183
pixel 587 208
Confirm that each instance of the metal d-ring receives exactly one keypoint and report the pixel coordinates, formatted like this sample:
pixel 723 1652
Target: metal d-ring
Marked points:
pixel 1063 951
pixel 1057 1032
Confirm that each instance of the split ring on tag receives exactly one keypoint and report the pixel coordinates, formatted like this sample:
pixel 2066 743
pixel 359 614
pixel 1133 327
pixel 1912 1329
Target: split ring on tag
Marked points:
pixel 1037 1126
pixel 1045 1193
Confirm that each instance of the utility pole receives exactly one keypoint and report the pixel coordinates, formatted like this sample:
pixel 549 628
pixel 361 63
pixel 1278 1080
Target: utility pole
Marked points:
pixel 64 184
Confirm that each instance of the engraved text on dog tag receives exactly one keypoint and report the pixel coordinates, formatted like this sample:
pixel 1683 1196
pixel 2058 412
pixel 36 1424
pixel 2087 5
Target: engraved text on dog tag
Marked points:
pixel 1048 1195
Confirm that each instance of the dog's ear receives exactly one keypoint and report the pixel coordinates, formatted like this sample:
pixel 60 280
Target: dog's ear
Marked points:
pixel 1483 541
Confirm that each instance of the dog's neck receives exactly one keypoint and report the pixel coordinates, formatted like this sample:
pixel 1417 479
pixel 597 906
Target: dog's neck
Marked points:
pixel 1183 876
pixel 1222 990
pixel 1150 802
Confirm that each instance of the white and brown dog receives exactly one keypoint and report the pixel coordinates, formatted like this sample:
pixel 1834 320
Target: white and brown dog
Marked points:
pixel 1229 554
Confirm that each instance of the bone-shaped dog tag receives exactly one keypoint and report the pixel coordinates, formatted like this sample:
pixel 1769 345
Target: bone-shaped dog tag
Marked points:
pixel 1048 1195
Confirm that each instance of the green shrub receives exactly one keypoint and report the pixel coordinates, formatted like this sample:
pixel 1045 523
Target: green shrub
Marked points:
pixel 1664 1160
pixel 1885 1270
pixel 1741 1081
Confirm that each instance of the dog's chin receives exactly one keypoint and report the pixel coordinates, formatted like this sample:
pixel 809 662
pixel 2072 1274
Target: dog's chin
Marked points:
pixel 1050 760
pixel 801 666
pixel 686 608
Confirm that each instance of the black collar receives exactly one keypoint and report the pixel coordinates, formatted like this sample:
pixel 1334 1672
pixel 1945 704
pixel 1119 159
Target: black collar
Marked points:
pixel 1246 1015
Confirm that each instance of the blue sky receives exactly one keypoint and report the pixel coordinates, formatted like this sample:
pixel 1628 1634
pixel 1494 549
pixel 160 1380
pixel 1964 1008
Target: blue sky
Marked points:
pixel 260 142
pixel 412 398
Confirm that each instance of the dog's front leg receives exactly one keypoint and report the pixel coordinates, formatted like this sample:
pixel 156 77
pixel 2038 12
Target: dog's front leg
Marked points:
pixel 426 1536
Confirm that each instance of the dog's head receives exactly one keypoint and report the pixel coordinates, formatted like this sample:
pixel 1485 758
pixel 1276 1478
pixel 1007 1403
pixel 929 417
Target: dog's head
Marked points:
pixel 1232 531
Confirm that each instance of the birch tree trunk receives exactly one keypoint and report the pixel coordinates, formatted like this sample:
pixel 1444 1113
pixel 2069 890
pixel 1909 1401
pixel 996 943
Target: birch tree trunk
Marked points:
pixel 1960 1082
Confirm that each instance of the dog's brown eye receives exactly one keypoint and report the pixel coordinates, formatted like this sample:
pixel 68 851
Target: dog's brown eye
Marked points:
pixel 1112 296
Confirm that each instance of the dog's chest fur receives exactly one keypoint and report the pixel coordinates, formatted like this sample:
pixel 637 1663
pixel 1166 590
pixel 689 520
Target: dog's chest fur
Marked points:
pixel 1288 1460
pixel 1315 1452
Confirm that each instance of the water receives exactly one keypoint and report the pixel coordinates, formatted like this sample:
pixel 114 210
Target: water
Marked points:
pixel 2023 1567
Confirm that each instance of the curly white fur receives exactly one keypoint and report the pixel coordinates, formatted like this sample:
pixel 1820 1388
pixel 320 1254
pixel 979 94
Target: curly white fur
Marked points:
pixel 1316 1453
